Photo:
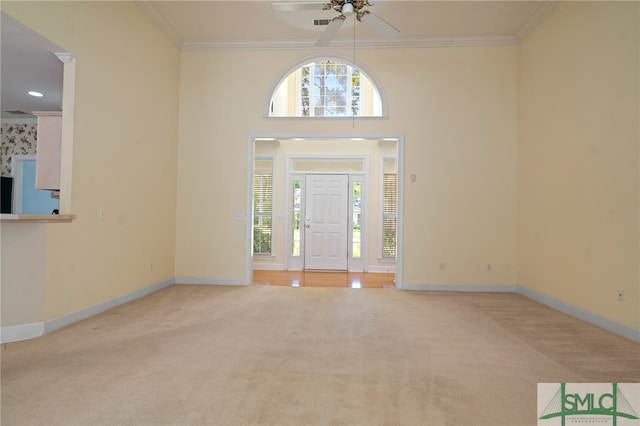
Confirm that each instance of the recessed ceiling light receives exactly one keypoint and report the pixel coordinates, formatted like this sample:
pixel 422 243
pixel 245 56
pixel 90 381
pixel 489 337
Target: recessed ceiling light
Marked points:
pixel 36 94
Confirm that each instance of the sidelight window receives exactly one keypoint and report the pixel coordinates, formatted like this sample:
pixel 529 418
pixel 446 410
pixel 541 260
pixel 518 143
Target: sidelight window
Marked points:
pixel 356 215
pixel 389 209
pixel 296 215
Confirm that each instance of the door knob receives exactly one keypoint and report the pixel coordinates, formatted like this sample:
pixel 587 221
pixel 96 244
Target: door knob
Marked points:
pixel 307 226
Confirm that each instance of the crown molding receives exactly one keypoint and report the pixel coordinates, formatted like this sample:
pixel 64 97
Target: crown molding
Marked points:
pixel 64 57
pixel 469 41
pixel 543 11
pixel 166 28
pixel 424 42
pixel 259 44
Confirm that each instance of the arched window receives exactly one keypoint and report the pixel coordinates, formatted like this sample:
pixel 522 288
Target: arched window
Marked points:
pixel 326 88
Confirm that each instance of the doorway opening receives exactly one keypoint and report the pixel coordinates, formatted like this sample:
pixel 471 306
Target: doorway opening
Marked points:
pixel 329 206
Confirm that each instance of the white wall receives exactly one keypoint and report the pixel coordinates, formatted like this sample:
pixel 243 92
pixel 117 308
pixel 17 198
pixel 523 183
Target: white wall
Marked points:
pixel 23 252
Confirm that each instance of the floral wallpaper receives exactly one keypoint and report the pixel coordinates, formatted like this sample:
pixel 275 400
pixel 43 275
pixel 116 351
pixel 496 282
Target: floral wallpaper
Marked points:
pixel 16 138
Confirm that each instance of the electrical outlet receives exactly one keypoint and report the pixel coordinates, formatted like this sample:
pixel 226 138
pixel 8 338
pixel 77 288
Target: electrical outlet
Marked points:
pixel 488 267
pixel 442 266
pixel 620 295
pixel 151 265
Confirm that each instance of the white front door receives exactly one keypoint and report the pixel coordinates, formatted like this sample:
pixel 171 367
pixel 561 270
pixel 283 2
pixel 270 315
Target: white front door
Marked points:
pixel 326 222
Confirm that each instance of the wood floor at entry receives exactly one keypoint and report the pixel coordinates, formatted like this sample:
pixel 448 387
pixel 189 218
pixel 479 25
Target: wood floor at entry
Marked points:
pixel 324 279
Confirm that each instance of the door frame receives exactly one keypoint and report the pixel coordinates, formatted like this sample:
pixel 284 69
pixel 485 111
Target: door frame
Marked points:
pixel 17 163
pixel 398 137
pixel 298 262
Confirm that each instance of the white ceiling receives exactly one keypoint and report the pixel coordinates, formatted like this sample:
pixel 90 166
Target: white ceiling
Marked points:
pixel 28 63
pixel 210 24
pixel 28 60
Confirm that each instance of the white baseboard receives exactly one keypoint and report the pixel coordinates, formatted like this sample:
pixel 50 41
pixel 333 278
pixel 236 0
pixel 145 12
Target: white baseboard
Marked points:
pixel 280 267
pixel 185 279
pixel 588 316
pixel 268 266
pixel 90 311
pixel 580 313
pixel 481 288
pixel 15 333
pixel 28 331
pixel 391 269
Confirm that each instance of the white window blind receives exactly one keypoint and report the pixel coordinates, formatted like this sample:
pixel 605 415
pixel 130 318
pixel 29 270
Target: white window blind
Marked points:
pixel 389 214
pixel 262 206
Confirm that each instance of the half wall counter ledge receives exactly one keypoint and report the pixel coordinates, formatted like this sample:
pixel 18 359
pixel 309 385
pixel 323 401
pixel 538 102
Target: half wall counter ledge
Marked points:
pixel 36 218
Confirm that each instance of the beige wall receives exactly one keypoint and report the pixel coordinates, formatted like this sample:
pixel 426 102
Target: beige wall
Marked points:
pixel 555 119
pixel 578 143
pixel 124 153
pixel 458 116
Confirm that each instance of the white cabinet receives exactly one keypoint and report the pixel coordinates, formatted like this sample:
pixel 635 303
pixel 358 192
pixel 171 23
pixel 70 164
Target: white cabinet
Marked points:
pixel 48 149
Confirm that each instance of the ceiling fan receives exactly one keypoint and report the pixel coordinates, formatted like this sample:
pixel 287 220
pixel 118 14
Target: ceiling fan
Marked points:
pixel 345 8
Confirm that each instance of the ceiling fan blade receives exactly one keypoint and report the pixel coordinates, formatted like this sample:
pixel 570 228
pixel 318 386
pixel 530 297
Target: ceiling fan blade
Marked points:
pixel 294 7
pixel 331 30
pixel 379 26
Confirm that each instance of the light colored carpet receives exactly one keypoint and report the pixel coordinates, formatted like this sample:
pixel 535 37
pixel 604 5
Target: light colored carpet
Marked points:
pixel 263 355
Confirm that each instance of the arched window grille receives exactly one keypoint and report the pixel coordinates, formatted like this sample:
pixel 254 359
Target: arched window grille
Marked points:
pixel 326 88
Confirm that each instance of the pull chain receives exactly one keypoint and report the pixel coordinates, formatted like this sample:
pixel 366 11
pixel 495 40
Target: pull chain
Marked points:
pixel 353 114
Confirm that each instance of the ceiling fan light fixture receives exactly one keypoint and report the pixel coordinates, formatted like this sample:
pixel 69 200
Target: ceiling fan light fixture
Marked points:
pixel 344 8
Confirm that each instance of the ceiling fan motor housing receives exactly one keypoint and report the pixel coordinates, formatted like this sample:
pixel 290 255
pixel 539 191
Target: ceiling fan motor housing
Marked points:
pixel 344 8
pixel 347 7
